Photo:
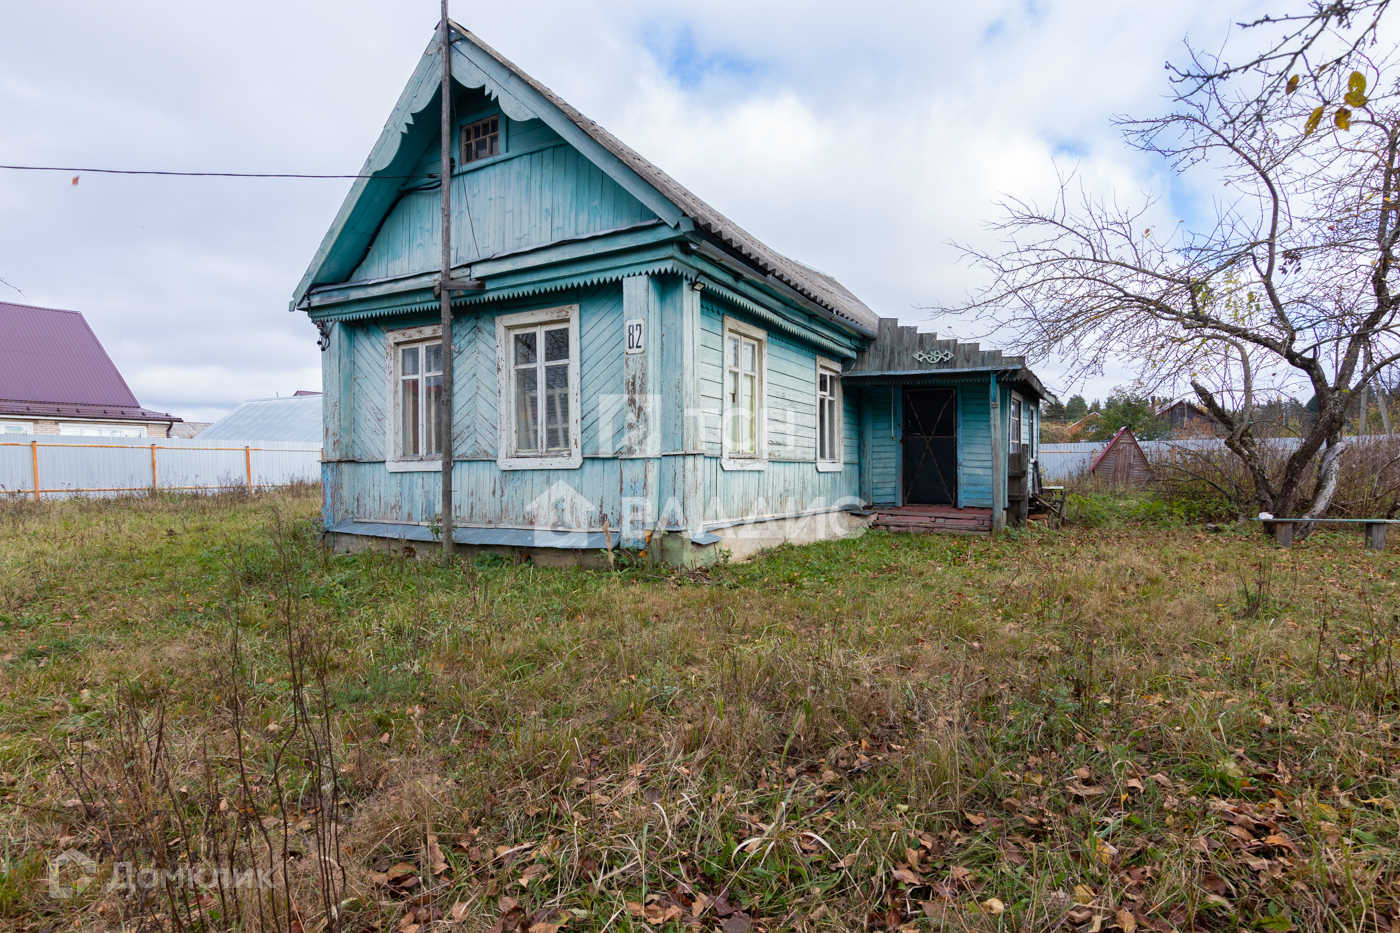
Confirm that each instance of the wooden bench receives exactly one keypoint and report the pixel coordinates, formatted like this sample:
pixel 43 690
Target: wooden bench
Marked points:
pixel 1374 530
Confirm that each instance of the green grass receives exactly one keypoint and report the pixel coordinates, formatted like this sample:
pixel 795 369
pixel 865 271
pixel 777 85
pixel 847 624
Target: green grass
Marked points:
pixel 1129 721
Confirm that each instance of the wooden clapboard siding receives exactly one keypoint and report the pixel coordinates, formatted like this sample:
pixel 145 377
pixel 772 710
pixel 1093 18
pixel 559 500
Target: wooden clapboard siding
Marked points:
pixel 850 429
pixel 884 445
pixel 779 489
pixel 711 374
pixel 485 494
pixel 975 445
pixel 516 202
pixel 369 408
pixel 600 370
pixel 791 400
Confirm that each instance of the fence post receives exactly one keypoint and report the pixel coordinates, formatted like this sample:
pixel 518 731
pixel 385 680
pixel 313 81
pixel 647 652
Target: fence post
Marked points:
pixel 34 453
pixel 153 469
pixel 248 458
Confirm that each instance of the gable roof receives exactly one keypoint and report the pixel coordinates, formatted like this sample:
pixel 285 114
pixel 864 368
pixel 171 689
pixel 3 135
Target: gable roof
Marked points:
pixel 289 418
pixel 477 65
pixel 51 363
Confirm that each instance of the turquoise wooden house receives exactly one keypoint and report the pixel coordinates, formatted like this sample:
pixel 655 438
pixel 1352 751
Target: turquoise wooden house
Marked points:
pixel 635 369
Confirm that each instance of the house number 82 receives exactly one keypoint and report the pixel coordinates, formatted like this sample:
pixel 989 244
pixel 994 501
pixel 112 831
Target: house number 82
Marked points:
pixel 636 341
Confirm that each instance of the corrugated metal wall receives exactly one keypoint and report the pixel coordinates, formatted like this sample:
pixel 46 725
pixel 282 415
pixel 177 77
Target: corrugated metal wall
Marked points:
pixel 65 466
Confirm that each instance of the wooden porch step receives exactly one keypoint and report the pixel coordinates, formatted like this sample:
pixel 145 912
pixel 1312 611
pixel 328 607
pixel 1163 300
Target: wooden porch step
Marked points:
pixel 919 519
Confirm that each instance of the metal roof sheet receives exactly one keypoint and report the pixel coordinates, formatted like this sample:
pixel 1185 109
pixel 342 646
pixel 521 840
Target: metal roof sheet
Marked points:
pixel 291 418
pixel 50 359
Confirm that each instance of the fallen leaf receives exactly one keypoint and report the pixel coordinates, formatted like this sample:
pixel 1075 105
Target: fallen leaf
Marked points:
pixel 459 911
pixel 1084 790
pixel 907 876
pixel 993 905
pixel 1104 852
pixel 739 923
pixel 1126 921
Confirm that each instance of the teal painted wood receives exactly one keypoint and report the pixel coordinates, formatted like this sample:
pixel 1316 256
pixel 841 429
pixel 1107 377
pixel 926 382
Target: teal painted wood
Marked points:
pixel 850 429
pixel 369 387
pixel 884 447
pixel 791 400
pixel 867 417
pixel 781 488
pixel 600 369
pixel 960 497
pixel 711 376
pixel 531 200
pixel 975 441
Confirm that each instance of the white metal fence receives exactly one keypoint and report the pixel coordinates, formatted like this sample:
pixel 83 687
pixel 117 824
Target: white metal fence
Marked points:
pixel 1059 462
pixel 55 467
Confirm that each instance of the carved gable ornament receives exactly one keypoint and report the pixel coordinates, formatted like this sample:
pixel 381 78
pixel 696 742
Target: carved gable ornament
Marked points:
pixel 933 357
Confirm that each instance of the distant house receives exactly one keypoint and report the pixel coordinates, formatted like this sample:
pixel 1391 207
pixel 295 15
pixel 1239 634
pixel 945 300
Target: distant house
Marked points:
pixel 288 418
pixel 1182 415
pixel 55 378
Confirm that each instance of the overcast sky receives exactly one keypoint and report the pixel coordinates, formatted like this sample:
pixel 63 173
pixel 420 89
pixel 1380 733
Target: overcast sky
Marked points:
pixel 858 138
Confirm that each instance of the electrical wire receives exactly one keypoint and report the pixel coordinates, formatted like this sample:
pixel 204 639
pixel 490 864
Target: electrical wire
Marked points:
pixel 122 171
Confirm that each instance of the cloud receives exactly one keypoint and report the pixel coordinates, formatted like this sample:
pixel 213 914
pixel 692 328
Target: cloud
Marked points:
pixel 860 139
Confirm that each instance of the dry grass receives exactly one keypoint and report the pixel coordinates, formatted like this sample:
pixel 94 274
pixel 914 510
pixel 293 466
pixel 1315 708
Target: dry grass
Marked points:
pixel 1131 726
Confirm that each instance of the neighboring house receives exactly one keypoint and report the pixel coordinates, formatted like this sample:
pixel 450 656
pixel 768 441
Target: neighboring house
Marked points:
pixel 55 378
pixel 1186 417
pixel 188 429
pixel 632 363
pixel 1122 461
pixel 287 418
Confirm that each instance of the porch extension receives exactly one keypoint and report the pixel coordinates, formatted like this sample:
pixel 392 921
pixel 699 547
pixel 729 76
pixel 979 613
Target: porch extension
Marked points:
pixel 918 519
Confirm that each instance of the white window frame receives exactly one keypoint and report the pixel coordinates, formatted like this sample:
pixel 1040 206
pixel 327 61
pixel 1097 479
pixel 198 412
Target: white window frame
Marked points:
pixel 28 427
pixel 758 460
pixel 1015 423
pixel 90 429
pixel 833 462
pixel 507 458
pixel 395 341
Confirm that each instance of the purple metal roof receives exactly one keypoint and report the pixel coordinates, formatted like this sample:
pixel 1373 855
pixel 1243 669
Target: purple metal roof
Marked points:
pixel 50 360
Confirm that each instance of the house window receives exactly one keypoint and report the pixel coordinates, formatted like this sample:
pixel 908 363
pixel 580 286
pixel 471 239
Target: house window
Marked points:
pixel 415 393
pixel 538 361
pixel 1015 446
pixel 745 442
pixel 16 428
pixel 100 430
pixel 828 415
pixel 481 140
pixel 420 400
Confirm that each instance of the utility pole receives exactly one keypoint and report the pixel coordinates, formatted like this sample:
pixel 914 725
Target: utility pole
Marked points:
pixel 445 414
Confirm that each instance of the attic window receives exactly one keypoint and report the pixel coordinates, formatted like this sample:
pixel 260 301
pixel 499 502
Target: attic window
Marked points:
pixel 481 140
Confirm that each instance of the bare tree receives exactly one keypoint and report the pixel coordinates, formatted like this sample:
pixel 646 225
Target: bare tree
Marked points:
pixel 1291 282
pixel 1314 42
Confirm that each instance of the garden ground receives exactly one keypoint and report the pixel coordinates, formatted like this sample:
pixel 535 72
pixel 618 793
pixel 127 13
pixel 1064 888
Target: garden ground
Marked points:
pixel 1128 723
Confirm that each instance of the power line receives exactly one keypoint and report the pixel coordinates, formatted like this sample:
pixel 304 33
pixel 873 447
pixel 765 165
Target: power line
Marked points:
pixel 123 171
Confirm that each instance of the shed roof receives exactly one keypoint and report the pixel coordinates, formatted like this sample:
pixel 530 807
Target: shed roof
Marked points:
pixel 289 418
pixel 523 97
pixel 52 364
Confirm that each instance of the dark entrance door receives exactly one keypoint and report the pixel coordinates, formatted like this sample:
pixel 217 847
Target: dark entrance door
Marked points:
pixel 930 446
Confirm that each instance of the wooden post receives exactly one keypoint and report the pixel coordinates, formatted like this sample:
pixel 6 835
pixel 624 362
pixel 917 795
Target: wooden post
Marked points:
pixel 34 453
pixel 998 460
pixel 1283 534
pixel 248 462
pixel 445 416
pixel 153 469
pixel 1375 535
